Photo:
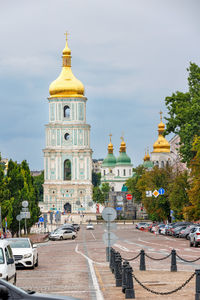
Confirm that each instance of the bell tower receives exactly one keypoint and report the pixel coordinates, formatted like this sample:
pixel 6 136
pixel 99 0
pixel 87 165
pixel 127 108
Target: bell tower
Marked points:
pixel 67 153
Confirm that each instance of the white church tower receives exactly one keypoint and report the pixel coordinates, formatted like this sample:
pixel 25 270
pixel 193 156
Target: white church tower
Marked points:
pixel 67 154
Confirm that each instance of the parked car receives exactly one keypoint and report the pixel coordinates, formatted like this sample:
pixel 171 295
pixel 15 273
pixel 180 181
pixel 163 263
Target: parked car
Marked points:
pixel 141 225
pixel 177 230
pixel 7 262
pixel 76 226
pixel 25 252
pixel 67 226
pixel 62 234
pixel 195 236
pixel 9 291
pixel 89 226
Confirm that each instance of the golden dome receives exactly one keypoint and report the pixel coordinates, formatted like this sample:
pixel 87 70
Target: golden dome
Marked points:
pixel 122 146
pixel 145 157
pixel 66 85
pixel 161 145
pixel 110 145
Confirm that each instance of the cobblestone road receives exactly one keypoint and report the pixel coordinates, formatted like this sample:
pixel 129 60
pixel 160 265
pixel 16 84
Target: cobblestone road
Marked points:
pixel 78 268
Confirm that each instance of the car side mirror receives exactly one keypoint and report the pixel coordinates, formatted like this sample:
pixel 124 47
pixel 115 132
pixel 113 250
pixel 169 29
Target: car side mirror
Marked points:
pixel 10 261
pixel 4 292
pixel 34 246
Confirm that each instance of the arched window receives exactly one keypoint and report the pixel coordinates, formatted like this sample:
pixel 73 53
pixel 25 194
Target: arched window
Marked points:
pixel 66 111
pixel 162 164
pixel 66 136
pixel 67 169
pixel 117 172
pixel 104 172
pixel 124 172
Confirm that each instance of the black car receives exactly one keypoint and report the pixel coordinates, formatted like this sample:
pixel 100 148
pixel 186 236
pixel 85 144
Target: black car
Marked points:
pixel 76 226
pixel 11 292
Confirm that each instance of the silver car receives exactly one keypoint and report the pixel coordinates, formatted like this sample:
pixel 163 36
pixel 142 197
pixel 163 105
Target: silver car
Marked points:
pixel 195 236
pixel 62 234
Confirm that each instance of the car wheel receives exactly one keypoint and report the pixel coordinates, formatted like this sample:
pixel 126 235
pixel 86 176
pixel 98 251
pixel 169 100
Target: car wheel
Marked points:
pixel 36 264
pixel 61 238
pixel 33 266
pixel 15 279
pixel 73 237
pixel 191 244
pixel 195 244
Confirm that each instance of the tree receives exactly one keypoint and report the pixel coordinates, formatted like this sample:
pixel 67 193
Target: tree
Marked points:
pixel 178 196
pixel 184 113
pixel 192 211
pixel 38 185
pixel 96 179
pixel 101 194
pixel 158 208
pixel 131 183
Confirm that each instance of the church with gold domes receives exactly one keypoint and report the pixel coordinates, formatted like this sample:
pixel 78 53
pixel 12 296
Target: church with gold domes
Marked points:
pixel 67 153
pixel 116 171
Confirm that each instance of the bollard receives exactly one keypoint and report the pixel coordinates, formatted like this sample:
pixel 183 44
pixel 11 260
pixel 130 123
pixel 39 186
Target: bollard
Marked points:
pixel 129 292
pixel 125 265
pixel 117 256
pixel 173 261
pixel 197 294
pixel 113 261
pixel 111 254
pixel 118 274
pixel 142 261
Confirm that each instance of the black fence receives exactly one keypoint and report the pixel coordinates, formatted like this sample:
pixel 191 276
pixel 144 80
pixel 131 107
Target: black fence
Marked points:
pixel 124 276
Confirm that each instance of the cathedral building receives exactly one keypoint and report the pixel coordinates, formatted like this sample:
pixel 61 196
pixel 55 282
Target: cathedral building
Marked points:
pixel 116 171
pixel 161 154
pixel 67 154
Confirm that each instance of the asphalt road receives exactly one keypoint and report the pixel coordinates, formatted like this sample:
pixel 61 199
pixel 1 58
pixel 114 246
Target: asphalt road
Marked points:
pixel 78 268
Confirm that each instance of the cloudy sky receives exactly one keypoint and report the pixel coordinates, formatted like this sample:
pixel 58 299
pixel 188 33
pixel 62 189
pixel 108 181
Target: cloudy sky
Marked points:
pixel 129 54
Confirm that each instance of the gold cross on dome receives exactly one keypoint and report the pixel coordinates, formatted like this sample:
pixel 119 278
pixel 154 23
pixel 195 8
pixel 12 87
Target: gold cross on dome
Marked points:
pixel 110 135
pixel 66 34
pixel 161 115
pixel 122 137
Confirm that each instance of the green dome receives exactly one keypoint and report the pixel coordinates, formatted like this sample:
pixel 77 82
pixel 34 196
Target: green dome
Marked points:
pixel 148 164
pixel 123 159
pixel 109 161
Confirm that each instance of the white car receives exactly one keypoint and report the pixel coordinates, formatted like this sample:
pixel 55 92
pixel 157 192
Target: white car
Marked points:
pixel 7 263
pixel 194 236
pixel 63 234
pixel 90 226
pixel 25 252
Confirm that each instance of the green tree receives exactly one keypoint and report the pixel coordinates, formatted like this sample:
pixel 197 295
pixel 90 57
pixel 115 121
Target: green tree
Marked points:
pixel 192 211
pixel 101 194
pixel 178 196
pixel 184 113
pixel 96 179
pixel 158 208
pixel 131 183
pixel 38 185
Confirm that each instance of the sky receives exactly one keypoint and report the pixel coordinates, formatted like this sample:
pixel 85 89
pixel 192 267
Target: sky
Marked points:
pixel 129 54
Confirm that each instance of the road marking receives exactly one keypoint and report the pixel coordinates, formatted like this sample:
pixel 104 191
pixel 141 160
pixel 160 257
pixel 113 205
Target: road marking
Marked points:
pixel 99 295
pixel 99 278
pixel 93 236
pixel 122 248
pixel 157 244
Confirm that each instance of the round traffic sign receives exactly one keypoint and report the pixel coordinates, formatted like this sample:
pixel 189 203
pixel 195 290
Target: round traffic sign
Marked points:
pixel 18 217
pixel 109 214
pixel 119 198
pixel 90 203
pixel 129 197
pixel 25 203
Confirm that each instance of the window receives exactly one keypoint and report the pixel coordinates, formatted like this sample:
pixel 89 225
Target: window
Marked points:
pixel 66 111
pixel 66 136
pixel 130 172
pixel 7 255
pixel 104 172
pixel 67 169
pixel 1 256
pixel 117 172
pixel 162 164
pixel 124 172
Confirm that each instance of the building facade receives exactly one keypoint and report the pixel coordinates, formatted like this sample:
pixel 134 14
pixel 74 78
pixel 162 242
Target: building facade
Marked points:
pixel 116 171
pixel 67 154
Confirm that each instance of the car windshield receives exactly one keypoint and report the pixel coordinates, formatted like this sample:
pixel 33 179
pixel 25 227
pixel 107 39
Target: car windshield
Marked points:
pixel 19 243
pixel 1 256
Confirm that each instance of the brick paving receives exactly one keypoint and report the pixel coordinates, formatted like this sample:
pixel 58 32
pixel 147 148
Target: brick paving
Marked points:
pixel 63 270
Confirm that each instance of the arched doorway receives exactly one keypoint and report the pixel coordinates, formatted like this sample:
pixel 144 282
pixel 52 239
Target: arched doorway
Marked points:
pixel 68 207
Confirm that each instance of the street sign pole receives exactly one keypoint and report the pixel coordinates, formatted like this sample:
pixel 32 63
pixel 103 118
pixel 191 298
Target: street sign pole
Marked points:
pixel 19 228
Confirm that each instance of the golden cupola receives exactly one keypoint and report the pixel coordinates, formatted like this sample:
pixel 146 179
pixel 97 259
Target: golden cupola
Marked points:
pixel 66 85
pixel 110 146
pixel 161 145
